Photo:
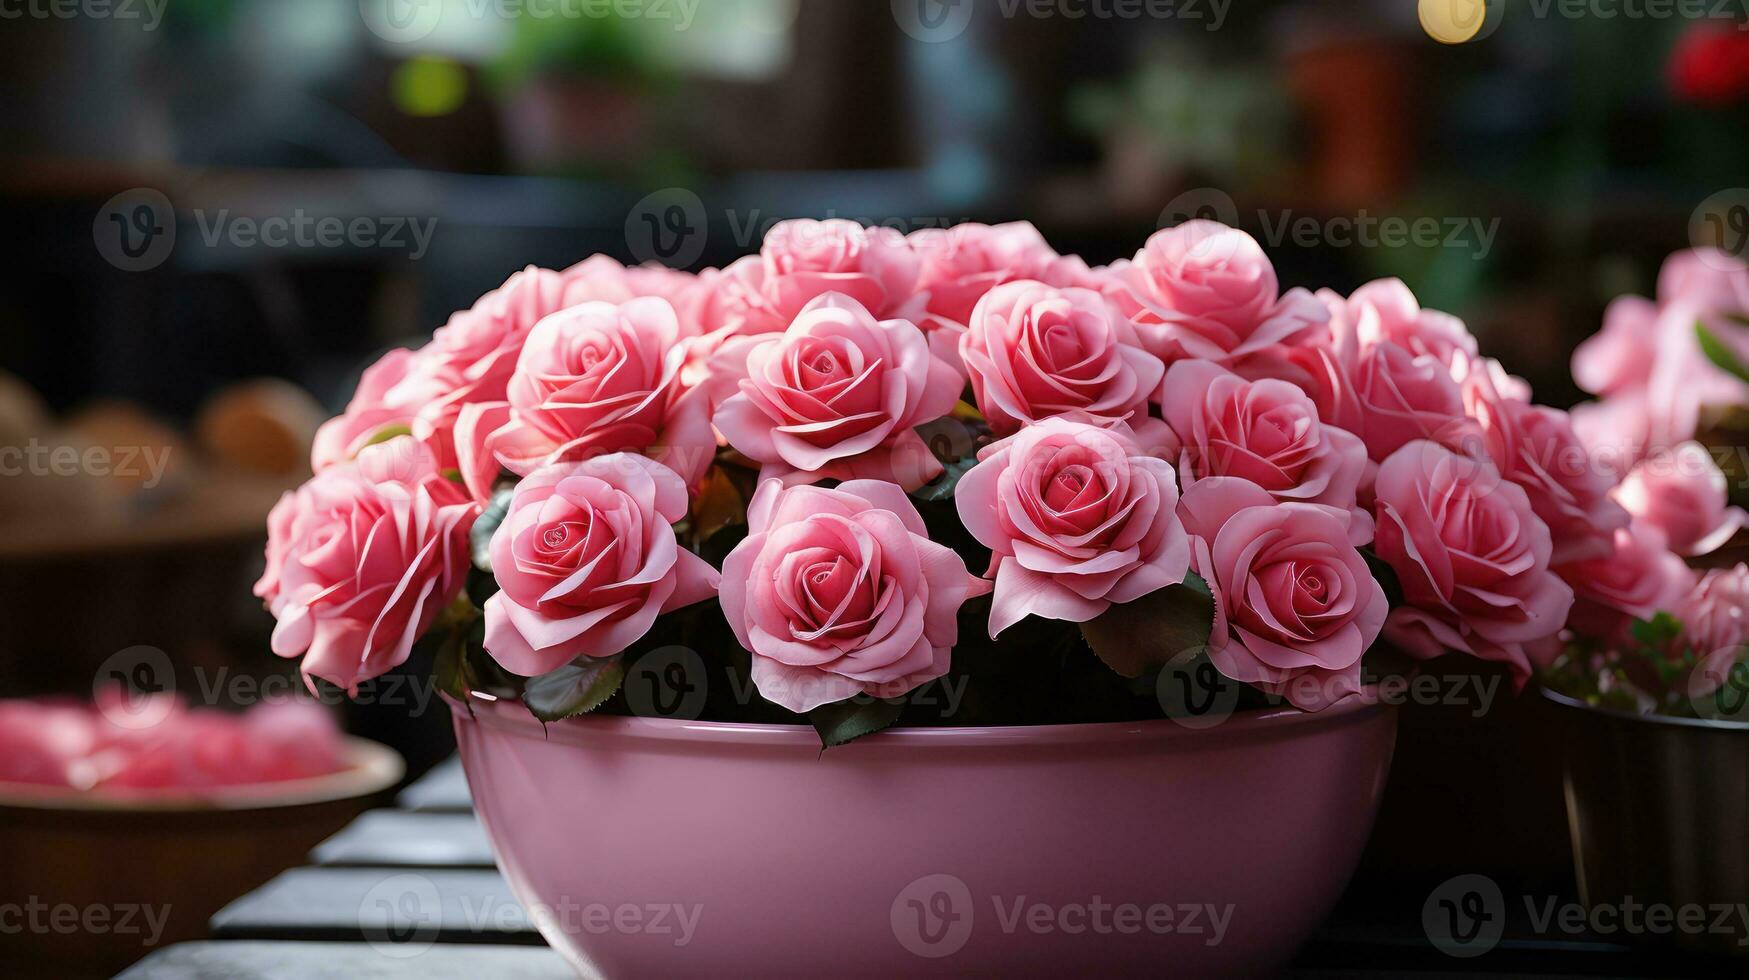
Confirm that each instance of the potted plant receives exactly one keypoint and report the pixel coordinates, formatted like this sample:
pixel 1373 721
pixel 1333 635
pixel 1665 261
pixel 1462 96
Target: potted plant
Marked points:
pixel 578 93
pixel 922 603
pixel 1655 706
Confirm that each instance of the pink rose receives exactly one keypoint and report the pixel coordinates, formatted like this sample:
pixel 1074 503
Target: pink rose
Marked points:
pixel 840 592
pixel 1707 278
pixel 1034 351
pixel 469 360
pixel 1472 557
pixel 479 346
pixel 802 260
pixel 1614 431
pixel 1698 285
pixel 1715 626
pixel 1620 357
pixel 1295 604
pixel 1314 368
pixel 1536 448
pixel 586 560
pixel 362 558
pixel 839 396
pixel 1639 578
pixel 390 394
pixel 962 263
pixel 1201 289
pixel 1386 311
pixel 473 356
pixel 1266 432
pixel 1683 494
pixel 601 279
pixel 1076 519
pixel 592 380
pixel 1404 397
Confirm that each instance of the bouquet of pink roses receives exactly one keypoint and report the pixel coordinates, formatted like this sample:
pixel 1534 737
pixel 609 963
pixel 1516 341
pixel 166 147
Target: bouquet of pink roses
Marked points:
pixel 859 466
pixel 1672 390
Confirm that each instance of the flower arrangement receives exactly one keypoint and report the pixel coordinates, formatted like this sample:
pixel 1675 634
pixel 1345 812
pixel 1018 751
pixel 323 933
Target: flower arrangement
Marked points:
pixel 1650 634
pixel 861 468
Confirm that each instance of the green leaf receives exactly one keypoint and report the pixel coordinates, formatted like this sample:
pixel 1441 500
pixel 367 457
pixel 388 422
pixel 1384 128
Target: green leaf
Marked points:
pixel 1721 355
pixel 461 666
pixel 452 666
pixel 388 432
pixel 943 486
pixel 480 538
pixel 573 689
pixel 1150 631
pixel 1658 631
pixel 847 721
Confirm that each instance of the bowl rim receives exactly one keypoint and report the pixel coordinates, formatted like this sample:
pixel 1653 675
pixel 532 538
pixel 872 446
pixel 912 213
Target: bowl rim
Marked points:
pixel 1702 724
pixel 372 767
pixel 507 713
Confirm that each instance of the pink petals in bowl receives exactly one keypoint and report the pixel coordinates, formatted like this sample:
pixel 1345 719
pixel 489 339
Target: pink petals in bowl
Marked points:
pixel 131 747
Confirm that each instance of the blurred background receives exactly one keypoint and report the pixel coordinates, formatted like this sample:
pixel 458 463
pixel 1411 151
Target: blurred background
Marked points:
pixel 203 194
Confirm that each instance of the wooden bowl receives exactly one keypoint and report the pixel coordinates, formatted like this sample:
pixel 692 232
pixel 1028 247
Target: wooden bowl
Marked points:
pixel 98 880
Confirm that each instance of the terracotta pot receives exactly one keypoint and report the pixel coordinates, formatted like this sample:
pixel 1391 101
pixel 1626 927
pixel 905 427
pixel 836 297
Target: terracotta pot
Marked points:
pixel 1657 808
pixel 1050 850
pixel 1356 92
pixel 155 866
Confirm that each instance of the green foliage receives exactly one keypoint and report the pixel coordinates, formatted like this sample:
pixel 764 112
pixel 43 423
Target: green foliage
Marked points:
pixel 1147 633
pixel 1719 353
pixel 847 721
pixel 574 689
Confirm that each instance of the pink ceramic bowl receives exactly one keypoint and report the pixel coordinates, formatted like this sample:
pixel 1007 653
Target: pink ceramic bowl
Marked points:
pixel 646 847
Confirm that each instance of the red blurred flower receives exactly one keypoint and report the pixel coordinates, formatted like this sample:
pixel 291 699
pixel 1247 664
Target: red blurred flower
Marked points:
pixel 1710 64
